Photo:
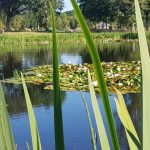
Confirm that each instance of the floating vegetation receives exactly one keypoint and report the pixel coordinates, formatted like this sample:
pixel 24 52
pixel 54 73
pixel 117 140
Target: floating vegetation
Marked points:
pixel 125 76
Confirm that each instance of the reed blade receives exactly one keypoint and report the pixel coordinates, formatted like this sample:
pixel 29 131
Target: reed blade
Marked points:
pixel 33 126
pixel 89 119
pixel 99 73
pixel 59 138
pixel 6 137
pixel 126 121
pixel 98 117
pixel 145 61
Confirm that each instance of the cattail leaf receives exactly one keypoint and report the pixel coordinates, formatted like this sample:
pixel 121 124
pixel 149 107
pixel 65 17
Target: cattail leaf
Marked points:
pixel 33 126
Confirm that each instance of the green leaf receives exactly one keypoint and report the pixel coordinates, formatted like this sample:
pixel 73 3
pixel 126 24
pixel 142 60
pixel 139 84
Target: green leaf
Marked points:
pixel 59 138
pixel 145 60
pixel 99 73
pixel 126 121
pixel 89 119
pixel 28 147
pixel 33 126
pixel 6 137
pixel 98 117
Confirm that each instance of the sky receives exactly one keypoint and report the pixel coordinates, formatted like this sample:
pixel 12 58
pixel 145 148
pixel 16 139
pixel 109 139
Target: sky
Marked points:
pixel 68 5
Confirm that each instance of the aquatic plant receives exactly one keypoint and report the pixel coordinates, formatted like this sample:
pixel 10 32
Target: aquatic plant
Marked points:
pixel 125 76
pixel 6 141
pixel 33 38
pixel 122 110
pixel 33 126
pixel 99 74
pixel 59 139
pixel 145 61
pixel 5 130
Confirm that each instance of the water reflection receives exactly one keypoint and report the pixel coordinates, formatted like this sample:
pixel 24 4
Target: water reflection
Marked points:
pixel 77 54
pixel 76 129
pixel 39 97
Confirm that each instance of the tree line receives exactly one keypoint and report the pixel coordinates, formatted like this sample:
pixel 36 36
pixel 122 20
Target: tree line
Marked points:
pixel 118 13
pixel 34 14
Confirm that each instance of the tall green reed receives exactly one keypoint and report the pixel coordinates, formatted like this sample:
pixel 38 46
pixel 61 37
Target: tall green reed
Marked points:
pixel 89 119
pixel 6 136
pixel 98 117
pixel 59 139
pixel 33 125
pixel 127 122
pixel 145 61
pixel 99 73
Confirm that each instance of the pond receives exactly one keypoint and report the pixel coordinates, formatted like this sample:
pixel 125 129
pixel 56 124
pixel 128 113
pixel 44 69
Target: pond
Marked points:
pixel 76 128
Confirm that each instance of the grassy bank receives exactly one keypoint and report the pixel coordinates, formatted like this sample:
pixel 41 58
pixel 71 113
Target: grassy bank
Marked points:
pixel 18 38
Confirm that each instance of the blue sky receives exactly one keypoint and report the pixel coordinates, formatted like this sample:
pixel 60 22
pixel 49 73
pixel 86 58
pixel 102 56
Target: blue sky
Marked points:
pixel 68 5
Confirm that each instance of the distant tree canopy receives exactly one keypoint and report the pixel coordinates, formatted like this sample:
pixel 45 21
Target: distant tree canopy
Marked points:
pixel 35 14
pixel 12 8
pixel 40 8
pixel 119 12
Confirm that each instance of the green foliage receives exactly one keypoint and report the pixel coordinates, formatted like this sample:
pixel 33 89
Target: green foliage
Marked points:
pixel 126 121
pixel 1 25
pixel 110 11
pixel 89 118
pixel 73 23
pixel 12 8
pixel 16 23
pixel 6 141
pixel 59 139
pixel 62 22
pixel 98 117
pixel 99 73
pixel 33 126
pixel 145 60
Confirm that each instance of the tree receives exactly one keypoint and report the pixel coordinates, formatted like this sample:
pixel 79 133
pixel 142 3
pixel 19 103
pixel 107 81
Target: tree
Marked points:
pixel 107 11
pixel 41 10
pixel 1 26
pixel 124 12
pixel 145 5
pixel 73 23
pixel 12 8
pixel 16 23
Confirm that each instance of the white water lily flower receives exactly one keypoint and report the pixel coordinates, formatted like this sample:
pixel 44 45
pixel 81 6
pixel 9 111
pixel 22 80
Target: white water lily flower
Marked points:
pixel 39 75
pixel 95 83
pixel 70 76
pixel 120 84
pixel 85 68
pixel 117 75
pixel 118 68
pixel 110 74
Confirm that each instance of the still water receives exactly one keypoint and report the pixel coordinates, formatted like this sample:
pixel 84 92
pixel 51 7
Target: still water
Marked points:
pixel 76 128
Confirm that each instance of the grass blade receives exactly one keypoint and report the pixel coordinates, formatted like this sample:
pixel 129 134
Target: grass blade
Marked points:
pixel 145 61
pixel 33 126
pixel 99 73
pixel 126 121
pixel 89 119
pixel 28 147
pixel 6 137
pixel 59 139
pixel 98 117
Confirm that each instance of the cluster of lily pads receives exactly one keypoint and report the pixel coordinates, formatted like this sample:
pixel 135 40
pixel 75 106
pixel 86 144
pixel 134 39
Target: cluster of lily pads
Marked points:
pixel 125 76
